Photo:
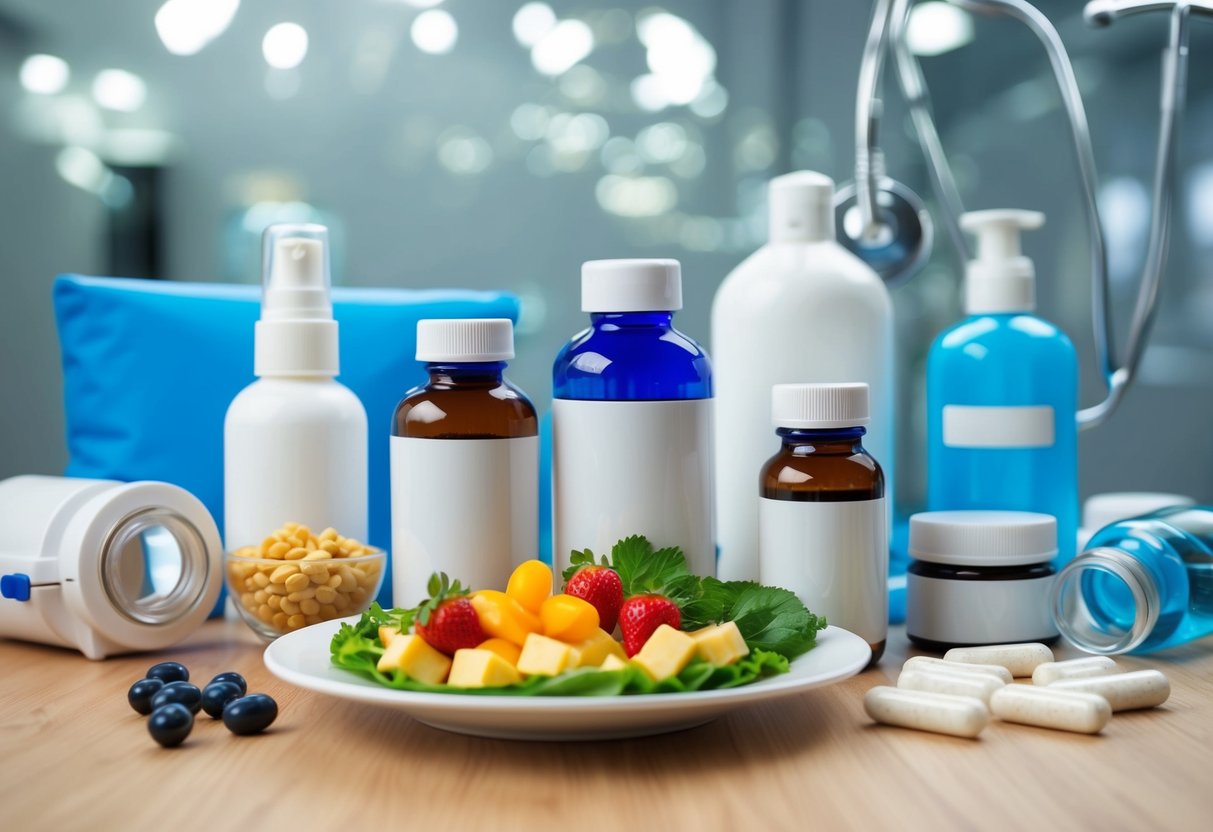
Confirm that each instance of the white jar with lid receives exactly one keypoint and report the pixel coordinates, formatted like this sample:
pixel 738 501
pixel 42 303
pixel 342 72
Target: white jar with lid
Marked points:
pixel 980 577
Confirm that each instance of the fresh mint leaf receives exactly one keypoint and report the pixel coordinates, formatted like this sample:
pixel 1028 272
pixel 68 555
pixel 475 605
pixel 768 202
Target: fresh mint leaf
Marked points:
pixel 644 571
pixel 768 617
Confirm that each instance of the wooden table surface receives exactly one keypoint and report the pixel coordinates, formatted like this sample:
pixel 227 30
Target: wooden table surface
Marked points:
pixel 73 755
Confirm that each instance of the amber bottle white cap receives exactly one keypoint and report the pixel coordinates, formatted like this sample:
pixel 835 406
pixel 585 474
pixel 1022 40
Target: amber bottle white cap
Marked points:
pixel 631 286
pixel 465 340
pixel 819 406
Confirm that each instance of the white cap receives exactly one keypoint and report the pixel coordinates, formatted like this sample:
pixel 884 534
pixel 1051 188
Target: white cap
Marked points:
pixel 465 340
pixel 1000 278
pixel 296 335
pixel 801 207
pixel 631 286
pixel 1105 509
pixel 819 406
pixel 983 538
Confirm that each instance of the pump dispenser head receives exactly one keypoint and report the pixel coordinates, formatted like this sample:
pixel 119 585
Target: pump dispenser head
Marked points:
pixel 801 206
pixel 1000 279
pixel 296 335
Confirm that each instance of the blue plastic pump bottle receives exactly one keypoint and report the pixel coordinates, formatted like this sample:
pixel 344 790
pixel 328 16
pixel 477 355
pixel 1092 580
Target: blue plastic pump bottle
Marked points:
pixel 1141 585
pixel 1002 391
pixel 632 420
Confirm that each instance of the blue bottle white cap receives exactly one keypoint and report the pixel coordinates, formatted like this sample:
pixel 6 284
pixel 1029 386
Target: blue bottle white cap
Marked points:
pixel 465 340
pixel 631 286
pixel 983 538
pixel 819 406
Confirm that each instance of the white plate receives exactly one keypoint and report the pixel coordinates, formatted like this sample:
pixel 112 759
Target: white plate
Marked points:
pixel 302 658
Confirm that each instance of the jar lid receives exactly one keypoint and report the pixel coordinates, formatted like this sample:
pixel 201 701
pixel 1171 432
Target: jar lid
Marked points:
pixel 819 406
pixel 983 538
pixel 465 340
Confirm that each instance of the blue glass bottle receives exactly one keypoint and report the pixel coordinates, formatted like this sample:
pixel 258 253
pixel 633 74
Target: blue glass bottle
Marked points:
pixel 1002 393
pixel 631 420
pixel 1142 584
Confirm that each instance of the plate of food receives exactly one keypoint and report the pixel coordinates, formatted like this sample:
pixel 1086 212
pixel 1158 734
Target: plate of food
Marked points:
pixel 530 664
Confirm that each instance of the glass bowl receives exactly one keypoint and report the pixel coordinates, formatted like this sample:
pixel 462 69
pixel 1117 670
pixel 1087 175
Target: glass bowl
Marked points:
pixel 277 596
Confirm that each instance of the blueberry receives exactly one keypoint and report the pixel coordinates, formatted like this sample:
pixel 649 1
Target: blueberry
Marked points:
pixel 169 672
pixel 170 724
pixel 180 692
pixel 233 677
pixel 216 695
pixel 141 693
pixel 250 714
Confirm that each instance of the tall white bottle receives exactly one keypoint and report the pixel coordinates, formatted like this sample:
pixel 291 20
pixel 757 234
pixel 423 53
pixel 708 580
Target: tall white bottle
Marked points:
pixel 294 442
pixel 801 309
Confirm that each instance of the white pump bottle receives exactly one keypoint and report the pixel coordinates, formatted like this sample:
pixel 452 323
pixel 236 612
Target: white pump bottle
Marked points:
pixel 294 442
pixel 801 309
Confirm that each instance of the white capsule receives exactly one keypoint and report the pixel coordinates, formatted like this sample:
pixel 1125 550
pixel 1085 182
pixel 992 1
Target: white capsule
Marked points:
pixel 1019 659
pixel 960 716
pixel 1065 710
pixel 1084 668
pixel 1124 691
pixel 929 663
pixel 975 685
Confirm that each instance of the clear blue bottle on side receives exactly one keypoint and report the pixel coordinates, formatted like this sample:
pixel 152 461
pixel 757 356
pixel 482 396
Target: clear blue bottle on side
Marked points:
pixel 997 459
pixel 1141 585
pixel 631 356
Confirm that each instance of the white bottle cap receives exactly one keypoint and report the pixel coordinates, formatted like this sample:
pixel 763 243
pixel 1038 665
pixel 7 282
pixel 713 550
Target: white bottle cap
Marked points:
pixel 801 207
pixel 296 335
pixel 1000 279
pixel 983 538
pixel 631 286
pixel 465 340
pixel 819 406
pixel 1105 509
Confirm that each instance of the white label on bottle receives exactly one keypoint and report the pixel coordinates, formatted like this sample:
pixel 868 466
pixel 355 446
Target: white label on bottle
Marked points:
pixel 626 468
pixel 979 612
pixel 833 555
pixel 466 507
pixel 967 426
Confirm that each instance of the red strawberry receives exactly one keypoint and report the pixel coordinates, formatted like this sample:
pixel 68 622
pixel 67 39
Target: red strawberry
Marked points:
pixel 447 621
pixel 601 587
pixel 641 615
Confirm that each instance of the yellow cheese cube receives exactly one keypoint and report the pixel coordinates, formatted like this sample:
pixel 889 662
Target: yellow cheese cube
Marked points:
pixel 481 669
pixel 543 656
pixel 506 649
pixel 720 645
pixel 666 653
pixel 416 658
pixel 594 650
pixel 613 662
pixel 387 633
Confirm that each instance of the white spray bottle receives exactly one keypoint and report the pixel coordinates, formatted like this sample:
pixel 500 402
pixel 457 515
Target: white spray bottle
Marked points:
pixel 801 309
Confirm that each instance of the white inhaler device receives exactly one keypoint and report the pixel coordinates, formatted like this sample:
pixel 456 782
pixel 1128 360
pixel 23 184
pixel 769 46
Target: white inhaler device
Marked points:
pixel 104 567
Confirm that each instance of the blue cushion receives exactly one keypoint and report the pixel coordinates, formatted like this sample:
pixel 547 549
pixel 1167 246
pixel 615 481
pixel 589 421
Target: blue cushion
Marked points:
pixel 150 367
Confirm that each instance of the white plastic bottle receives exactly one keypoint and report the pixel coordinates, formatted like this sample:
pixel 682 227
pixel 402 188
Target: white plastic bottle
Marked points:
pixel 801 309
pixel 294 442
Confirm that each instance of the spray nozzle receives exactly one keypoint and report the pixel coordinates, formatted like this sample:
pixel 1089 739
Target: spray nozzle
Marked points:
pixel 1000 278
pixel 296 273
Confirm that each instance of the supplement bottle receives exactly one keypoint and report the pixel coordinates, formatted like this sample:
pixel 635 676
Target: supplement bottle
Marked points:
pixel 800 309
pixel 632 420
pixel 822 519
pixel 294 442
pixel 1141 585
pixel 465 463
pixel 1002 392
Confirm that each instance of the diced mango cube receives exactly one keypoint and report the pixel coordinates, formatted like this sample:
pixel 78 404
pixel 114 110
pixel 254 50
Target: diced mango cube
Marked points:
pixel 530 584
pixel 613 662
pixel 543 656
pixel 387 633
pixel 503 617
pixel 417 659
pixel 476 668
pixel 568 618
pixel 666 653
pixel 720 645
pixel 597 648
pixel 507 650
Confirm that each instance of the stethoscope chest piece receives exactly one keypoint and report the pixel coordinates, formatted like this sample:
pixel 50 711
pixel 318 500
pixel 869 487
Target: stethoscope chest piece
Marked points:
pixel 899 241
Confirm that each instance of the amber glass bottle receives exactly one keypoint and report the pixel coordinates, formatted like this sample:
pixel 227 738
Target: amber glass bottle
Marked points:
pixel 465 463
pixel 823 524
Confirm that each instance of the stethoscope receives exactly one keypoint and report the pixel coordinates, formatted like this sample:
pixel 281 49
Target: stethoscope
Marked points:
pixel 886 224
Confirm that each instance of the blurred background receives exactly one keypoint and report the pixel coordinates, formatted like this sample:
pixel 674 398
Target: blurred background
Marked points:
pixel 499 143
